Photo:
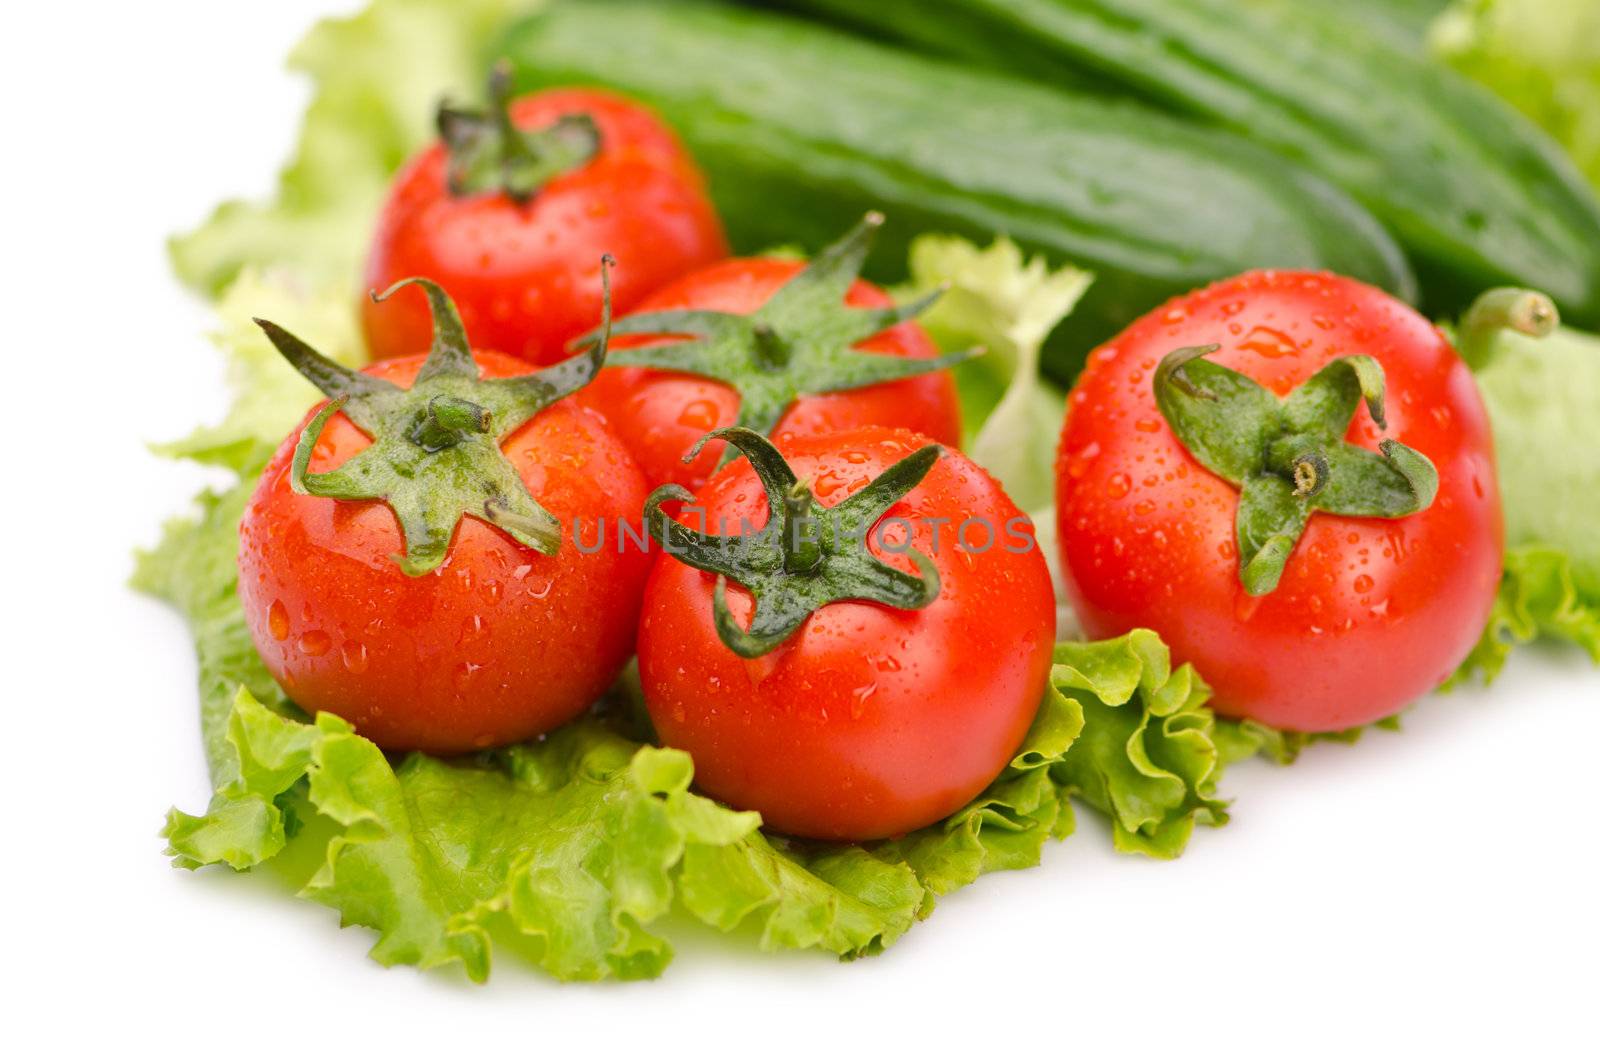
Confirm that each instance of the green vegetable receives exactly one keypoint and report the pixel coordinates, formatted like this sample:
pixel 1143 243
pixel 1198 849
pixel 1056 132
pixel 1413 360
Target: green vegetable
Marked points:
pixel 1539 597
pixel 1541 398
pixel 1478 195
pixel 1542 56
pixel 1541 395
pixel 1148 756
pixel 801 130
pixel 1007 304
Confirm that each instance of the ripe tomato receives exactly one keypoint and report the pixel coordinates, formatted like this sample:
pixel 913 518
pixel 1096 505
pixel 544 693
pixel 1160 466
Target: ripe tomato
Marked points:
pixel 497 644
pixel 525 274
pixel 868 720
pixel 1370 612
pixel 661 414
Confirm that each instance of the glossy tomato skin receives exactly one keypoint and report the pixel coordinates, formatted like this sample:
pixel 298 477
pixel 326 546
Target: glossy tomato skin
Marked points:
pixel 662 414
pixel 1370 613
pixel 869 721
pixel 526 277
pixel 499 644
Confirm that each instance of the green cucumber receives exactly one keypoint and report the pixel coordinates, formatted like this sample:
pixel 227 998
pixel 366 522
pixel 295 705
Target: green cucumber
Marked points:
pixel 801 129
pixel 1477 195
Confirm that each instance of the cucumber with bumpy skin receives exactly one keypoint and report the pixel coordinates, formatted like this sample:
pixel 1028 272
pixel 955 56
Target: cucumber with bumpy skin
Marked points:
pixel 1477 195
pixel 801 129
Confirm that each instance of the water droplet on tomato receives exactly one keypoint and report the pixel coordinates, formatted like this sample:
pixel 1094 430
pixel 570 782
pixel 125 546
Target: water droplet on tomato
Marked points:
pixel 827 484
pixel 1269 343
pixel 1363 583
pixel 700 415
pixel 1118 486
pixel 463 675
pixel 1147 424
pixel 278 620
pixel 315 642
pixel 859 697
pixel 354 655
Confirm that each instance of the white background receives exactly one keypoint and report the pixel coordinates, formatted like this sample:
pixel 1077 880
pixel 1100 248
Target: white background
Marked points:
pixel 1431 890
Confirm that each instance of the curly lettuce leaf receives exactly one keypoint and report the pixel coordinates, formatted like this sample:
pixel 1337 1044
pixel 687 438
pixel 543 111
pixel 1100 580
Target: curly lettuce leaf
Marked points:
pixel 377 77
pixel 571 845
pixel 1008 304
pixel 1148 755
pixel 1241 738
pixel 1541 56
pixel 1538 597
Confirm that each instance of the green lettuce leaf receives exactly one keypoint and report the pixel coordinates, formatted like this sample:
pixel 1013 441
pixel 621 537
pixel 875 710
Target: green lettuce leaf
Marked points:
pixel 376 77
pixel 1538 597
pixel 1148 755
pixel 1241 738
pixel 1008 304
pixel 570 843
pixel 1541 56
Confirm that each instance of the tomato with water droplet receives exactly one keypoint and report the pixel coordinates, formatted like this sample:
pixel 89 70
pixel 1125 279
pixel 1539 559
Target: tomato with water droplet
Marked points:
pixel 1325 649
pixel 526 275
pixel 868 721
pixel 442 662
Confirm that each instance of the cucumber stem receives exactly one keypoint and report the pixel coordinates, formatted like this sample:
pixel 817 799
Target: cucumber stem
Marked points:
pixel 1517 309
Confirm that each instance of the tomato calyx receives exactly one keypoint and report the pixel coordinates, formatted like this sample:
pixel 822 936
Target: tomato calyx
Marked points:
pixel 802 560
pixel 435 454
pixel 801 341
pixel 488 153
pixel 1498 309
pixel 1289 458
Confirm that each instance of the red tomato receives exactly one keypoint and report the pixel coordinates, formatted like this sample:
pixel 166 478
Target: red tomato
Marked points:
pixel 526 277
pixel 868 721
pixel 662 414
pixel 499 644
pixel 1370 613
